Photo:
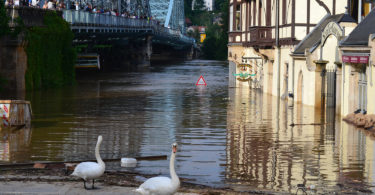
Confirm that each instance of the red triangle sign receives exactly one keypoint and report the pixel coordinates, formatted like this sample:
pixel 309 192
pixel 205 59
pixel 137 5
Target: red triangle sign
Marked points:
pixel 201 81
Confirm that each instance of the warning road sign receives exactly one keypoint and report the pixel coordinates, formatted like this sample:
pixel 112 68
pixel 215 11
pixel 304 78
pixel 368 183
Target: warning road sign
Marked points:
pixel 201 81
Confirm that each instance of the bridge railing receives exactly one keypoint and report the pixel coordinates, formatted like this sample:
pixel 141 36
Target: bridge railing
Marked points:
pixel 96 19
pixel 104 20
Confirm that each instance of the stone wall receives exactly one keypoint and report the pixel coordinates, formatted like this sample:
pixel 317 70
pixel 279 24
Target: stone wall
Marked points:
pixel 13 63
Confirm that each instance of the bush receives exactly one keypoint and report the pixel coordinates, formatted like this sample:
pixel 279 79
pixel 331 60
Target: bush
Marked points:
pixel 50 55
pixel 4 20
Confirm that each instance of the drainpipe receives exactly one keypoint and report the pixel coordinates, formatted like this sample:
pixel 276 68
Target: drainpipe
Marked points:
pixel 343 88
pixel 293 92
pixel 370 73
pixel 278 46
pixel 359 11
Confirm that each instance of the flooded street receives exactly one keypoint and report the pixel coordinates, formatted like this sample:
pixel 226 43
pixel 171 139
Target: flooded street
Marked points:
pixel 227 136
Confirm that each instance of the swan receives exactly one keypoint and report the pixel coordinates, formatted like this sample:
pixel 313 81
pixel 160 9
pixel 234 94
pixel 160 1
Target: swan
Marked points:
pixel 162 185
pixel 91 170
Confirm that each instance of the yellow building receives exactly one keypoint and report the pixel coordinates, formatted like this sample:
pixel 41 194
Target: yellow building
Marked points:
pixel 290 48
pixel 358 90
pixel 316 73
pixel 263 33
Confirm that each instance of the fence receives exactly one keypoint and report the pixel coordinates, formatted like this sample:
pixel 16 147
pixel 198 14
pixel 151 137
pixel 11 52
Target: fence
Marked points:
pixel 104 20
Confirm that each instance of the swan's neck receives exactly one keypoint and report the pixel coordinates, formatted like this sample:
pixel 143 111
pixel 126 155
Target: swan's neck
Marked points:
pixel 174 176
pixel 97 155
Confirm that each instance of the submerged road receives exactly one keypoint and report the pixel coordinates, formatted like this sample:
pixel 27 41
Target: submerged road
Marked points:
pixel 227 136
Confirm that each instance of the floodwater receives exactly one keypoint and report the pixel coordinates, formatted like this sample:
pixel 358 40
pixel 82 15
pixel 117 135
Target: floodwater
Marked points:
pixel 227 136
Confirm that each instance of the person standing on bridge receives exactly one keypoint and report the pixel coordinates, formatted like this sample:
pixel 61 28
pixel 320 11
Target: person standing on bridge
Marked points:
pixel 45 5
pixel 50 5
pixel 35 3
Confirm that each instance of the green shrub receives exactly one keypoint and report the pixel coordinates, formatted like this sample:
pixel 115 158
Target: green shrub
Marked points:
pixel 4 20
pixel 50 55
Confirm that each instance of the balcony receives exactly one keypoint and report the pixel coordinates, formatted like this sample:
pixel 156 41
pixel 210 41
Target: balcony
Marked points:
pixel 260 36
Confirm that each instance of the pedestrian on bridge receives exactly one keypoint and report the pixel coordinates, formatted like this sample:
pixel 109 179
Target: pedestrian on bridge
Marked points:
pixel 45 5
pixel 35 3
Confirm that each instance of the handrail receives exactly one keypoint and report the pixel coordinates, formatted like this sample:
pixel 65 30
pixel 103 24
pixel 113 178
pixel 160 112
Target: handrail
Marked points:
pixel 84 18
pixel 79 18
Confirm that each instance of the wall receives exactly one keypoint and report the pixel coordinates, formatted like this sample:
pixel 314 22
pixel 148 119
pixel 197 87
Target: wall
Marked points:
pixel 371 79
pixel 13 63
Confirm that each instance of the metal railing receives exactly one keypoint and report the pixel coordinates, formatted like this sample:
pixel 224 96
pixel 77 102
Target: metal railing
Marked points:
pixel 86 18
pixel 104 20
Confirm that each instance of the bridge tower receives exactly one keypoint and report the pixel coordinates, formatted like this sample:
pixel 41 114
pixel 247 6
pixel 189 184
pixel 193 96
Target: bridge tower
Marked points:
pixel 169 12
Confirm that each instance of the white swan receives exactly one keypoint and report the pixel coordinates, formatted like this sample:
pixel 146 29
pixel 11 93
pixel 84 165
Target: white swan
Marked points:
pixel 162 185
pixel 91 170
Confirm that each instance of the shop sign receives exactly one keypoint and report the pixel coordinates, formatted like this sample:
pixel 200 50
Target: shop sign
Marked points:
pixel 244 74
pixel 355 59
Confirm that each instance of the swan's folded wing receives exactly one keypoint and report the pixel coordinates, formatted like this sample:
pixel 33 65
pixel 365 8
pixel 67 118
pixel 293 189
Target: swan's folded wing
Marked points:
pixel 86 168
pixel 156 184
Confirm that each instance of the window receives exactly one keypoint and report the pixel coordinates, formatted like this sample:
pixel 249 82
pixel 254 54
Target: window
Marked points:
pixel 238 17
pixel 231 18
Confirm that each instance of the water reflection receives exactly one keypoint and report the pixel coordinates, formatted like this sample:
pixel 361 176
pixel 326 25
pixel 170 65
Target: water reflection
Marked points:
pixel 264 151
pixel 14 144
pixel 232 136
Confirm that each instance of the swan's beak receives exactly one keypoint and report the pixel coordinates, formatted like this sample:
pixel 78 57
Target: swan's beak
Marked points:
pixel 174 149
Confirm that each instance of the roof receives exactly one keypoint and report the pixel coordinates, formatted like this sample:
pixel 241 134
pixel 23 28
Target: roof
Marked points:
pixel 359 36
pixel 314 37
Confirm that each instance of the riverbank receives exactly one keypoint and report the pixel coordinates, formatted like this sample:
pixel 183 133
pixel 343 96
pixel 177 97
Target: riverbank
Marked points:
pixel 58 181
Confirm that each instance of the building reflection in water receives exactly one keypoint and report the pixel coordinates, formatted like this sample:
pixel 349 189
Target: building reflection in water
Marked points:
pixel 265 151
pixel 14 144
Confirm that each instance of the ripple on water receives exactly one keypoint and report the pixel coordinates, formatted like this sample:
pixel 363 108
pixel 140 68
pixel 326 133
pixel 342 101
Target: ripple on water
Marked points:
pixel 226 136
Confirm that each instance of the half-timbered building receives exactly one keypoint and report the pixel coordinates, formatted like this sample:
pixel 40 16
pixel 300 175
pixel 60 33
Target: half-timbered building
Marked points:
pixel 278 45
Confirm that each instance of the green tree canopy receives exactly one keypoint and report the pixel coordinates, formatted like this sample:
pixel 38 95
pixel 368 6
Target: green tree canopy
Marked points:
pixel 4 20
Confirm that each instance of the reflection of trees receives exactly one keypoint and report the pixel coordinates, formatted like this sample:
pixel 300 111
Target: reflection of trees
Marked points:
pixel 68 121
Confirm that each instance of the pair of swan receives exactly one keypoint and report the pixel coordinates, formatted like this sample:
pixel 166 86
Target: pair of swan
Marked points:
pixel 153 186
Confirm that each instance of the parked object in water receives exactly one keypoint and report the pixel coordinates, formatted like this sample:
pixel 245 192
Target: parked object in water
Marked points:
pixel 358 119
pixel 128 162
pixel 350 118
pixel 369 121
pixel 88 61
pixel 91 170
pixel 162 185
pixel 15 114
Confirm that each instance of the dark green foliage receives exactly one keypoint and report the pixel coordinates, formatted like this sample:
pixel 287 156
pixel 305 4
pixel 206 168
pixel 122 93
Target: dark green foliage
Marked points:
pixel 3 82
pixel 50 55
pixel 199 16
pixel 4 20
pixel 199 5
pixel 215 44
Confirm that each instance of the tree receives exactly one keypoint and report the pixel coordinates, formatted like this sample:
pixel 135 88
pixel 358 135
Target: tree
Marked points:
pixel 215 45
pixel 4 20
pixel 198 5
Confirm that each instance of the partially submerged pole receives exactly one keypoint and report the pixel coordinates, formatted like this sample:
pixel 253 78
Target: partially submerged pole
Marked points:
pixel 278 46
